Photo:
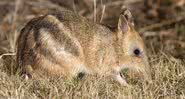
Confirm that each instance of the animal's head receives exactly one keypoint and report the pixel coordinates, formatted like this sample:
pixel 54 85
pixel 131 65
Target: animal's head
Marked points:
pixel 130 47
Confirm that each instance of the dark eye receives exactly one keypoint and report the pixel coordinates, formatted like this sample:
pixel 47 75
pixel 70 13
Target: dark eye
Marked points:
pixel 137 52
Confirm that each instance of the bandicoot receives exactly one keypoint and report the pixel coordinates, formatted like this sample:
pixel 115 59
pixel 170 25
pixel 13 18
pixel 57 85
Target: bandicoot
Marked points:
pixel 63 43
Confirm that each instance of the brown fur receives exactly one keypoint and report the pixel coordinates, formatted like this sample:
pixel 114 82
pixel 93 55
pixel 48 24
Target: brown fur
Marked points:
pixel 65 44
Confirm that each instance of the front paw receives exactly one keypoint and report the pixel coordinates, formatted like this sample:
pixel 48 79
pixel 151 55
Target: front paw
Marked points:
pixel 120 79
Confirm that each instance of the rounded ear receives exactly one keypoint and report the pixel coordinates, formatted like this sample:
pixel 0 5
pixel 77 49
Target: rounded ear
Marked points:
pixel 125 12
pixel 122 24
pixel 125 21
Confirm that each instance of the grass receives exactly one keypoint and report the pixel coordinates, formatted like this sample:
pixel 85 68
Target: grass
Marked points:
pixel 168 76
pixel 168 73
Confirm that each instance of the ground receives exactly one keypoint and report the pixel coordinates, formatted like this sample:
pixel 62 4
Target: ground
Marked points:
pixel 161 27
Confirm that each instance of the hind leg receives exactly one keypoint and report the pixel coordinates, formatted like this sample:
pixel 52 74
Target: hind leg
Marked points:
pixel 27 72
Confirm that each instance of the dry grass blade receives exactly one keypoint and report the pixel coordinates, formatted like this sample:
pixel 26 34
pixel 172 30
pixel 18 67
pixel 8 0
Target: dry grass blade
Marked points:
pixel 13 34
pixel 7 54
pixel 103 12
pixel 95 11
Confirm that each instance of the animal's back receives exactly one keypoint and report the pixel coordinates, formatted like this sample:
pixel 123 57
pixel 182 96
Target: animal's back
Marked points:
pixel 59 43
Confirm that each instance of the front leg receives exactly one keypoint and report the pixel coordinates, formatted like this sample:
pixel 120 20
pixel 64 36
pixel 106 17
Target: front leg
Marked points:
pixel 121 79
pixel 118 77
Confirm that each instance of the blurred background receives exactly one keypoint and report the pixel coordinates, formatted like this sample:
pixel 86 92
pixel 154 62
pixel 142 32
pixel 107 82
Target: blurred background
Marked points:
pixel 160 22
